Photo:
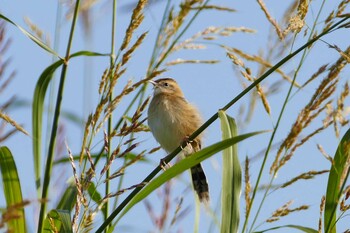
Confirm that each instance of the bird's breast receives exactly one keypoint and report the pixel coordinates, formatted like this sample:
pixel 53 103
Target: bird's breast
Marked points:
pixel 164 123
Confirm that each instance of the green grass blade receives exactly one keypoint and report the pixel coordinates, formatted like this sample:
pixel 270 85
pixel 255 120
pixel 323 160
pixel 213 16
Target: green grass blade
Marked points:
pixel 68 198
pixel 336 183
pixel 231 178
pixel 37 115
pixel 38 109
pixel 182 166
pixel 96 197
pixel 301 228
pixel 58 221
pixel 12 189
pixel 32 37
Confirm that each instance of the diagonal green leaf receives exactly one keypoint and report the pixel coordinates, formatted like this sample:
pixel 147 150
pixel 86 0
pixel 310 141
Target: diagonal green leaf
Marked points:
pixel 68 198
pixel 96 196
pixel 336 182
pixel 182 166
pixel 58 221
pixel 12 190
pixel 38 109
pixel 32 37
pixel 301 228
pixel 231 177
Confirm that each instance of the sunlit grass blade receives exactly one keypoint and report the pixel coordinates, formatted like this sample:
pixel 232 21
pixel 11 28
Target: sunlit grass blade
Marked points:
pixel 58 221
pixel 32 37
pixel 12 191
pixel 301 228
pixel 182 166
pixel 231 177
pixel 336 181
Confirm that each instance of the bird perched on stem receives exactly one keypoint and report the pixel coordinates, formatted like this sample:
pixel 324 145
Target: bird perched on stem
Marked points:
pixel 171 120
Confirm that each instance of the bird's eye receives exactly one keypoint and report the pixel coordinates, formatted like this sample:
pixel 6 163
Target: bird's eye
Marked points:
pixel 166 84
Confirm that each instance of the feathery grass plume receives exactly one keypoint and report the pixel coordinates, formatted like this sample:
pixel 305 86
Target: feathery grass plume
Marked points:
pixel 127 54
pixel 87 222
pixel 177 211
pixel 44 37
pixel 322 205
pixel 175 21
pixel 155 149
pixel 248 188
pixel 346 56
pixel 136 19
pixel 247 74
pixel 79 197
pixel 344 207
pixel 92 165
pixel 324 153
pixel 4 45
pixel 12 212
pixel 304 176
pixel 121 170
pixel 182 61
pixel 338 114
pixel 284 211
pixel 297 22
pixel 119 192
pixel 261 61
pixel 13 123
pixel 337 13
pixel 320 71
pixel 110 160
pixel 271 20
pixel 314 107
pixel 163 217
pixel 214 7
pixel 209 33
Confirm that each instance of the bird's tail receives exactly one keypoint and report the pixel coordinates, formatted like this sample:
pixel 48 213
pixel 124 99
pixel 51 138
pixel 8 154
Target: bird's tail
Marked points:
pixel 200 183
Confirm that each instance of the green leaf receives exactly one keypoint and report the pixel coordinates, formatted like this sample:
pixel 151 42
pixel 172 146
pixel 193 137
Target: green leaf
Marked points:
pixel 68 198
pixel 12 190
pixel 32 37
pixel 96 197
pixel 37 115
pixel 231 177
pixel 182 166
pixel 58 221
pixel 38 108
pixel 301 228
pixel 336 183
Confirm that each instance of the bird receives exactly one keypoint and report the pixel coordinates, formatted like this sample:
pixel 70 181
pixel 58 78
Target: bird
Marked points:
pixel 172 119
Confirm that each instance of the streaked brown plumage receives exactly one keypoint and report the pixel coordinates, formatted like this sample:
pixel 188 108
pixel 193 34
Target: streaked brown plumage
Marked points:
pixel 171 119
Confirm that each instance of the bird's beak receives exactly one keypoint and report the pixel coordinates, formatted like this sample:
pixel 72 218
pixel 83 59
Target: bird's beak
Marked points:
pixel 153 82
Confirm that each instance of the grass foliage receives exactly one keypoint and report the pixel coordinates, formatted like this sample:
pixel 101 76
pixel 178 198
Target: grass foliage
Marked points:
pixel 98 195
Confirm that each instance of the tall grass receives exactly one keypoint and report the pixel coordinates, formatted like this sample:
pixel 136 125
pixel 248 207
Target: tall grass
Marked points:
pixel 116 128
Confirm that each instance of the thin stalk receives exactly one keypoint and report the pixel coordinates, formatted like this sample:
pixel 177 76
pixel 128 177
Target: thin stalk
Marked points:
pixel 50 155
pixel 273 136
pixel 156 44
pixel 110 122
pixel 212 119
pixel 179 36
pixel 52 83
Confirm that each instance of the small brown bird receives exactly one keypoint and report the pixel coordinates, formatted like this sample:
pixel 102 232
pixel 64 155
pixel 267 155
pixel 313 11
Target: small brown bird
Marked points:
pixel 172 119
